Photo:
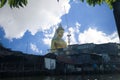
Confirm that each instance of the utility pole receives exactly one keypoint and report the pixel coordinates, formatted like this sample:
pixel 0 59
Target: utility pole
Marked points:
pixel 69 38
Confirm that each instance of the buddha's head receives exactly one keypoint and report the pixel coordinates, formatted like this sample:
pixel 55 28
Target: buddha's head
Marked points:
pixel 60 31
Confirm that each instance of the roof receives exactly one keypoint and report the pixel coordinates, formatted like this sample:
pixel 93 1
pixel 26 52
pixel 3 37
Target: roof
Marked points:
pixel 65 59
pixel 50 55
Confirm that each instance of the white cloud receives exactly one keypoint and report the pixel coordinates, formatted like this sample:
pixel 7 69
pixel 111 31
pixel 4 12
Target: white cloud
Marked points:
pixel 47 41
pixel 76 1
pixel 48 36
pixel 74 31
pixel 72 37
pixel 114 37
pixel 78 25
pixel 38 15
pixel 35 49
pixel 93 35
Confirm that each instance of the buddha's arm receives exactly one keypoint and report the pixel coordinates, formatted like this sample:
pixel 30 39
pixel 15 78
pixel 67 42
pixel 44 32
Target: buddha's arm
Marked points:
pixel 64 44
pixel 53 46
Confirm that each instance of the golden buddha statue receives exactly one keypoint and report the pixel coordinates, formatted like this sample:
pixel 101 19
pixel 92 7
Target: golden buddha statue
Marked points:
pixel 57 41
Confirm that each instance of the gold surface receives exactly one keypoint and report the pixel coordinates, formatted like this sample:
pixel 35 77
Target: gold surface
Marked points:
pixel 57 41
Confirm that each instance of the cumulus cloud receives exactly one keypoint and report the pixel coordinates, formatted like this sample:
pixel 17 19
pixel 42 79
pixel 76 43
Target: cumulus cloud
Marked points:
pixel 77 27
pixel 36 16
pixel 73 31
pixel 72 37
pixel 92 35
pixel 48 35
pixel 34 47
pixel 47 41
pixel 76 1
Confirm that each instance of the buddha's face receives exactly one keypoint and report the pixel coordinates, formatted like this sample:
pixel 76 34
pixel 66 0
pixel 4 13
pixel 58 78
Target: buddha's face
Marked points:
pixel 60 33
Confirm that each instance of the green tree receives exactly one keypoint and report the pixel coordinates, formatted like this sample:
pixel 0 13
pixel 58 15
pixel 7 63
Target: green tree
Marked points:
pixel 13 3
pixel 113 4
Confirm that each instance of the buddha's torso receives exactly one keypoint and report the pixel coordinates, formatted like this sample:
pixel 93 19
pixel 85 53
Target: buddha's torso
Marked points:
pixel 59 43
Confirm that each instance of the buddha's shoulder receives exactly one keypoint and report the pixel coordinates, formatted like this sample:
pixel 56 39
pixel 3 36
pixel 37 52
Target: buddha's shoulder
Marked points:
pixel 55 39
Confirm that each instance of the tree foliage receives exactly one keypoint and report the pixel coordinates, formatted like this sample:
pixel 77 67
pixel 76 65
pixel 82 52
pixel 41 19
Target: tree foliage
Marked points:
pixel 22 3
pixel 99 2
pixel 13 3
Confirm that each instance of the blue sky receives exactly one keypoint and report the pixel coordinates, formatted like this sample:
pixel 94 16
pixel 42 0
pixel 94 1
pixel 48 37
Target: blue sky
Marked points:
pixel 31 29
